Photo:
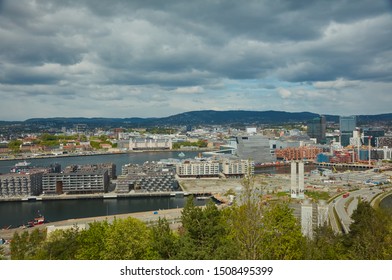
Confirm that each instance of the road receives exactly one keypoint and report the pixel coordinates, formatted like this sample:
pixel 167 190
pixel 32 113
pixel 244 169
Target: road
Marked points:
pixel 345 207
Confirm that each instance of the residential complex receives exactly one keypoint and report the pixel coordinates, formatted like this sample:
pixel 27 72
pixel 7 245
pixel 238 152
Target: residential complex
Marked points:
pixel 14 184
pixel 75 182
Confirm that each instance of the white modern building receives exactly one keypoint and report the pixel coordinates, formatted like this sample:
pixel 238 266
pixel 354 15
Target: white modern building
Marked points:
pixel 195 168
pixel 150 144
pixel 237 167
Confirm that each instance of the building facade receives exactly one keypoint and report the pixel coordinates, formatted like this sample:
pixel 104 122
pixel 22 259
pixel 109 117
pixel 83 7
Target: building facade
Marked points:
pixel 198 169
pixel 347 126
pixel 255 148
pixel 316 128
pixel 76 182
pixel 300 153
pixel 150 144
pixel 237 168
pixel 15 184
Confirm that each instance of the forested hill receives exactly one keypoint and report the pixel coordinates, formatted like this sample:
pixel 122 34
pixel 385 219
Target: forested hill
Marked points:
pixel 208 117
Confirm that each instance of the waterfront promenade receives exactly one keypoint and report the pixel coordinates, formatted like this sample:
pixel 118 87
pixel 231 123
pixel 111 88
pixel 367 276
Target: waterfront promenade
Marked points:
pixel 172 215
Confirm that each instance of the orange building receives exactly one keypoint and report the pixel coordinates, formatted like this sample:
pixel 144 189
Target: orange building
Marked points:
pixel 298 153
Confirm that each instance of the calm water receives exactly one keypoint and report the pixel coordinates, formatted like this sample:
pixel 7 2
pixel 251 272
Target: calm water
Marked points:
pixel 17 213
pixel 118 159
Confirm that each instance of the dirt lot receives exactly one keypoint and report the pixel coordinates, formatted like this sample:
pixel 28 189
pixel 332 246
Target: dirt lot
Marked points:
pixel 267 183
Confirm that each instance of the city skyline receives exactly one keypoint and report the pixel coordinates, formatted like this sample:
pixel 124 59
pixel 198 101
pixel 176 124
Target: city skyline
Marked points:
pixel 155 59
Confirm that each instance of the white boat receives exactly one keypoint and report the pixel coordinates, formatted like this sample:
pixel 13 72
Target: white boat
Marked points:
pixel 22 164
pixel 181 154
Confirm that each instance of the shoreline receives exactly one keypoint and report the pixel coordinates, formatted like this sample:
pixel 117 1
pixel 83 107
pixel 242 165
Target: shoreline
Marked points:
pixel 100 154
pixel 33 199
pixel 146 216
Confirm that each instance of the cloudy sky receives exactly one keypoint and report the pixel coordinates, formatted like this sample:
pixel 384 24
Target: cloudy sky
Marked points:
pixel 130 58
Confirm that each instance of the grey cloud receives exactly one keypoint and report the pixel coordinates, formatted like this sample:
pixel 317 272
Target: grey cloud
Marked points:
pixel 173 46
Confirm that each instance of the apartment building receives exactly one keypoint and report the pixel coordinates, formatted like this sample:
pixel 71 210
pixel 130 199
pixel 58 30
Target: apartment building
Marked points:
pixel 298 153
pixel 198 169
pixel 76 182
pixel 15 184
pixel 237 168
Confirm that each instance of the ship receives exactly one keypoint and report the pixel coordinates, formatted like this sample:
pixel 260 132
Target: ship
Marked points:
pixel 39 220
pixel 22 164
pixel 20 167
pixel 181 154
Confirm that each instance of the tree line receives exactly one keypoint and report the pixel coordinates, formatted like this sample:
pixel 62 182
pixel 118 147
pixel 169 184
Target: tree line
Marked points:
pixel 248 230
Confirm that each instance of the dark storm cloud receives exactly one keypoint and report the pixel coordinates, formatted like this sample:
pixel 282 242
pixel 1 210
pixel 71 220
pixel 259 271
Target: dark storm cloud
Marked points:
pixel 161 49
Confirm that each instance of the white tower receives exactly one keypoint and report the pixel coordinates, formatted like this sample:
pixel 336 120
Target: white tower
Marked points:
pixel 297 180
pixel 293 180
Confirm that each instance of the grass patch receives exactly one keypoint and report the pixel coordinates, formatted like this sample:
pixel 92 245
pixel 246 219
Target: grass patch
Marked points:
pixel 318 195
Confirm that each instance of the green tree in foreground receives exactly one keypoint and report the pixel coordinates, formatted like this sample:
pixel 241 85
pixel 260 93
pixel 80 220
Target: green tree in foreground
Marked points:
pixel 370 234
pixel 128 239
pixel 92 241
pixel 164 240
pixel 282 238
pixel 203 235
pixel 60 245
pixel 25 246
pixel 325 245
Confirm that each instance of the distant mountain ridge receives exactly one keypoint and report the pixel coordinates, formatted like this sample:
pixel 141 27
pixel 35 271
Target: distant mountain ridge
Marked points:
pixel 208 117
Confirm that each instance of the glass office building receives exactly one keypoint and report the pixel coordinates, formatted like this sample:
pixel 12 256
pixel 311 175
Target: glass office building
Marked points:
pixel 347 125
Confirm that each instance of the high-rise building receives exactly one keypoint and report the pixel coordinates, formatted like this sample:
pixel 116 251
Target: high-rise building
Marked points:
pixel 347 126
pixel 374 134
pixel 317 128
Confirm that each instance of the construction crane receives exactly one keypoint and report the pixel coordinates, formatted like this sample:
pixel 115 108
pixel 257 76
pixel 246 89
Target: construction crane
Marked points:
pixel 369 147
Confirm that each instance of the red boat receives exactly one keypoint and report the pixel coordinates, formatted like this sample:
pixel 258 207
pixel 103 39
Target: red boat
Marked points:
pixel 37 221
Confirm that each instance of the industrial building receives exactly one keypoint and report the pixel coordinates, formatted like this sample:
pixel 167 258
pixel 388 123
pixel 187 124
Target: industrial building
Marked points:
pixel 15 184
pixel 75 182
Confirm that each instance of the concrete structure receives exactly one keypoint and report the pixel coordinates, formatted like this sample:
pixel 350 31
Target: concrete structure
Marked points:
pixel 75 182
pixel 15 184
pixel 297 180
pixel 307 218
pixel 347 125
pixel 322 213
pixel 255 148
pixel 317 128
